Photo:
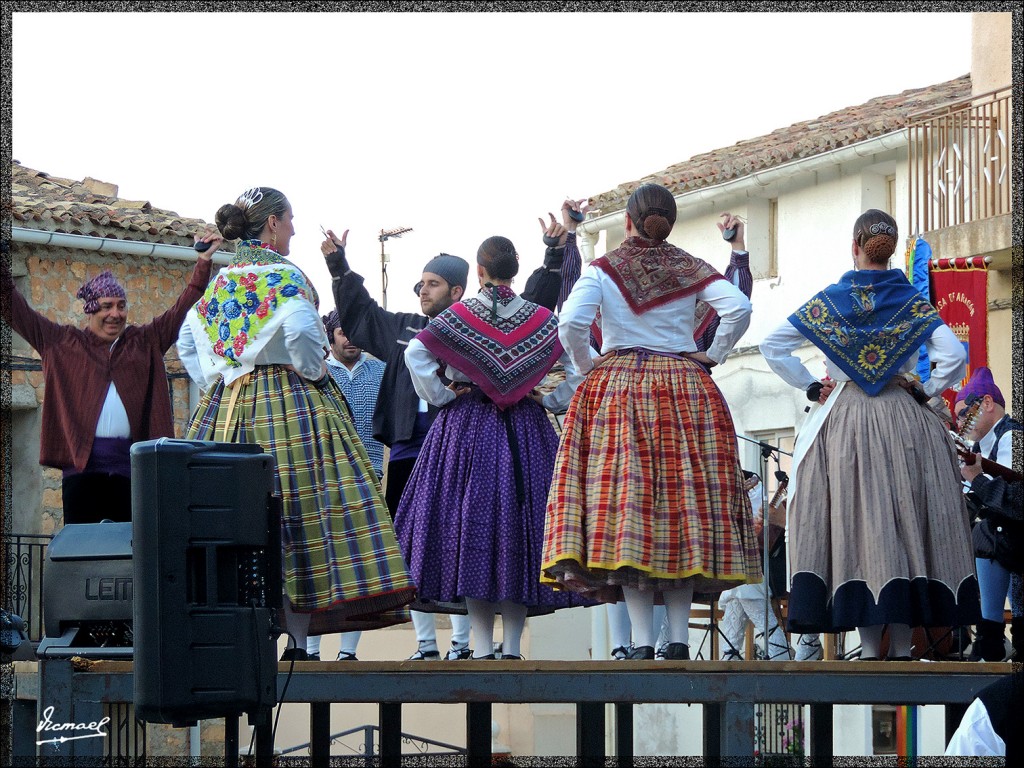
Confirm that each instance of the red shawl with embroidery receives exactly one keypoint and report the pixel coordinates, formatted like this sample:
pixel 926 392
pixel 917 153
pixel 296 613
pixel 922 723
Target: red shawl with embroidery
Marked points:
pixel 651 274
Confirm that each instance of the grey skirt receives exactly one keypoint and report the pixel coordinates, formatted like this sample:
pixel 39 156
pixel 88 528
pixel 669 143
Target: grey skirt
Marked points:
pixel 878 528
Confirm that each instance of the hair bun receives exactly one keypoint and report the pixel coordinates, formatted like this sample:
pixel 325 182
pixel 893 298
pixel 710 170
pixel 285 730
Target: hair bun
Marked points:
pixel 657 226
pixel 878 248
pixel 230 220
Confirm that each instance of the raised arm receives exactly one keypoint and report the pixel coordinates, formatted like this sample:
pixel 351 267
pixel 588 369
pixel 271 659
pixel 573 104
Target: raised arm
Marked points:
pixel 550 284
pixel 32 326
pixel 737 273
pixel 167 326
pixel 366 323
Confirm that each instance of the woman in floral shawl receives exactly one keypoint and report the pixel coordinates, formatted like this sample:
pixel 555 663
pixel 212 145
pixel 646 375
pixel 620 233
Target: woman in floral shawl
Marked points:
pixel 255 344
pixel 878 529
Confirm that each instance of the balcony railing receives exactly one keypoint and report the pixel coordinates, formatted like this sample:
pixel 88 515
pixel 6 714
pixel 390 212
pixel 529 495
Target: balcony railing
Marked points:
pixel 24 558
pixel 960 162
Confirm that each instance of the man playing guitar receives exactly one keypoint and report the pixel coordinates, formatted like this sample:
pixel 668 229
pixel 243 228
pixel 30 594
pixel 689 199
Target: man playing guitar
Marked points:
pixel 998 533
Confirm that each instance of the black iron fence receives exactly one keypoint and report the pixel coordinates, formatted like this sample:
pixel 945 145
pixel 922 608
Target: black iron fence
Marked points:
pixel 24 558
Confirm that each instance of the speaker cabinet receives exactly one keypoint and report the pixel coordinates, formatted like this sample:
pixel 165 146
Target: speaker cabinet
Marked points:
pixel 207 578
pixel 87 592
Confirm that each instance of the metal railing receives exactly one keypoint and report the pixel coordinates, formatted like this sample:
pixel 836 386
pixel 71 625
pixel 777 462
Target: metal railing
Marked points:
pixel 730 694
pixel 370 745
pixel 960 161
pixel 24 558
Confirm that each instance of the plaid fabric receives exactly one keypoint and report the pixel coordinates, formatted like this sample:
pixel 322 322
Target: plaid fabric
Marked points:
pixel 647 488
pixel 341 559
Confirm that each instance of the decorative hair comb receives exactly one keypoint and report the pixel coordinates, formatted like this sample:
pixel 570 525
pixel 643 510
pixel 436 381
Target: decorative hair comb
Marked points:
pixel 249 198
pixel 881 228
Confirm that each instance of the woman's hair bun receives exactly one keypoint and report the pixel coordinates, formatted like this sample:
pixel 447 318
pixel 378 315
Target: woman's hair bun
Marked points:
pixel 230 221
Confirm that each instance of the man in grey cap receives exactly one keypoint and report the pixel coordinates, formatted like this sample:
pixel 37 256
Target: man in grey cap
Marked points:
pixel 401 419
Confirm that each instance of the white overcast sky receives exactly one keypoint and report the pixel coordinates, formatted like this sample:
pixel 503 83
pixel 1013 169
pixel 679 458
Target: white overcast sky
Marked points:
pixel 461 126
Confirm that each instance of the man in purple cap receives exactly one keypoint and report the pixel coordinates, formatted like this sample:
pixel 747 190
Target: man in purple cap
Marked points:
pixel 998 534
pixel 106 387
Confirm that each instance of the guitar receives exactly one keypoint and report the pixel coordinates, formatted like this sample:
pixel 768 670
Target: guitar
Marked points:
pixel 989 467
pixel 775 528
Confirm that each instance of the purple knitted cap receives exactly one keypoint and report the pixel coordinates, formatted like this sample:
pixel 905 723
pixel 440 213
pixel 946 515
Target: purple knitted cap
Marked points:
pixel 102 286
pixel 331 321
pixel 981 384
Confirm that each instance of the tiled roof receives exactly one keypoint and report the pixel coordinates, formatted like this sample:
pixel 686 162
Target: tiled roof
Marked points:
pixel 877 117
pixel 91 207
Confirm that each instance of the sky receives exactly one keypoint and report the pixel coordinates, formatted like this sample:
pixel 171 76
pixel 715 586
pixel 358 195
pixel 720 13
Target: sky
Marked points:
pixel 460 126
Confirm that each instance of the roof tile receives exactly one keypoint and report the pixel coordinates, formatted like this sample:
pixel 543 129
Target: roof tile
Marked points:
pixel 877 117
pixel 91 207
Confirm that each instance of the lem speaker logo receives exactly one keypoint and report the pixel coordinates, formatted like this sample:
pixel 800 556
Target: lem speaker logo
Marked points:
pixel 108 588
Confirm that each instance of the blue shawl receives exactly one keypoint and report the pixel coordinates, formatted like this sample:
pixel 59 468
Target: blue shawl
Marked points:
pixel 868 323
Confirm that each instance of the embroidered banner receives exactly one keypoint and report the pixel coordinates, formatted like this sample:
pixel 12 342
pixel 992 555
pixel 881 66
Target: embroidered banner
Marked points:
pixel 960 293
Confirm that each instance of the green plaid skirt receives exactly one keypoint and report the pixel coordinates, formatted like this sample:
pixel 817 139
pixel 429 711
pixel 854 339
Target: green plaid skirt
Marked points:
pixel 341 561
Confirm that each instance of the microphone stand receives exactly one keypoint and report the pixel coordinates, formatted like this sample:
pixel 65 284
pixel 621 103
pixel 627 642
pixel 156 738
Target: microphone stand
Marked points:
pixel 768 451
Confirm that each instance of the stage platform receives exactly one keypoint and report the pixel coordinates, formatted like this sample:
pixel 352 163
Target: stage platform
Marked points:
pixel 728 691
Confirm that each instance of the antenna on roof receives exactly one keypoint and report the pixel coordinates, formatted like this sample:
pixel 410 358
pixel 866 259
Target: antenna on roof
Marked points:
pixel 386 234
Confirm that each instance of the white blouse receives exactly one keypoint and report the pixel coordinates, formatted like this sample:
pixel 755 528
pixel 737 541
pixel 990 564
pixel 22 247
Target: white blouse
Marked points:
pixel 668 328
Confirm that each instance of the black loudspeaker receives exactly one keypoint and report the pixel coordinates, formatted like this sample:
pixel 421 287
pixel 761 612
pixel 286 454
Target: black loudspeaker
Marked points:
pixel 87 592
pixel 207 571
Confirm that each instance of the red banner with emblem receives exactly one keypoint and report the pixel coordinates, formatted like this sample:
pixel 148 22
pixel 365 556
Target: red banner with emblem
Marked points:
pixel 960 294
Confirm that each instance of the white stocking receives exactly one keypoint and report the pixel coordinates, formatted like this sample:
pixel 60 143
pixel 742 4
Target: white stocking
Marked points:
pixel 677 606
pixel 297 625
pixel 513 621
pixel 460 630
pixel 618 625
pixel 426 631
pixel 733 625
pixel 349 642
pixel 870 640
pixel 481 617
pixel 899 640
pixel 640 605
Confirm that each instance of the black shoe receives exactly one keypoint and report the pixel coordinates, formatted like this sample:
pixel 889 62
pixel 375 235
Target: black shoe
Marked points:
pixel 620 652
pixel 899 658
pixel 867 658
pixel 312 656
pixel 294 654
pixel 344 656
pixel 677 652
pixel 641 653
pixel 988 642
pixel 458 654
pixel 507 656
pixel 489 657
pixel 426 656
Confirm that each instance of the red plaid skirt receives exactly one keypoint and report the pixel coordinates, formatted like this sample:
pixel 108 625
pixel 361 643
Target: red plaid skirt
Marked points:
pixel 647 490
